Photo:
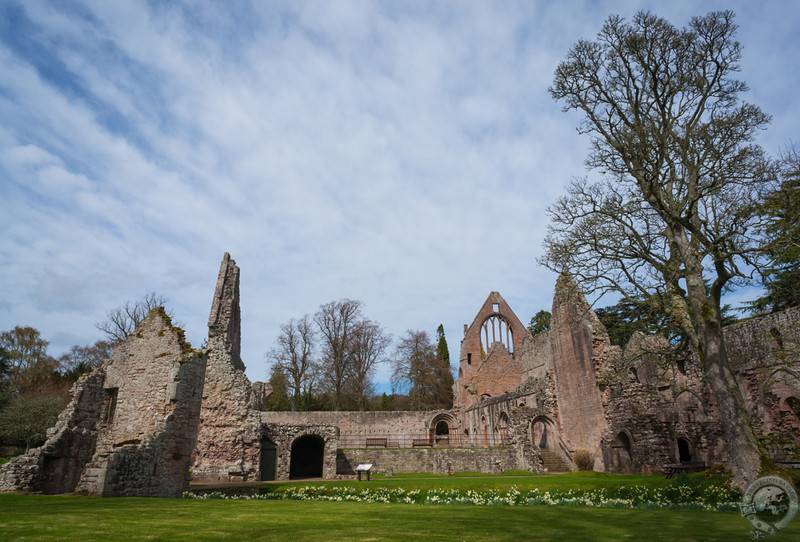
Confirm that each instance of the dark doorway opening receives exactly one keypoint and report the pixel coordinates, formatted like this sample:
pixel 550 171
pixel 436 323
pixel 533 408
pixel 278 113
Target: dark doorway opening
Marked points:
pixel 684 451
pixel 269 460
pixel 307 457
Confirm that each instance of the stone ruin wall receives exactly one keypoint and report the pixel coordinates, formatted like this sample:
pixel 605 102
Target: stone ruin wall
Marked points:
pixel 765 355
pixel 153 387
pixel 429 460
pixel 57 465
pixel 283 435
pixel 580 348
pixel 228 443
pixel 377 423
pixel 488 370
pixel 651 403
pixel 666 400
pixel 131 425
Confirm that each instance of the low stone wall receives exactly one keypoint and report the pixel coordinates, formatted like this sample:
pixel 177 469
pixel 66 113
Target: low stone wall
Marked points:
pixel 430 460
pixel 360 423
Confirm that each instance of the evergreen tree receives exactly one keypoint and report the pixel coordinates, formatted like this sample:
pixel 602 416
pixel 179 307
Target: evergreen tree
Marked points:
pixel 445 375
pixel 279 398
pixel 782 232
pixel 540 322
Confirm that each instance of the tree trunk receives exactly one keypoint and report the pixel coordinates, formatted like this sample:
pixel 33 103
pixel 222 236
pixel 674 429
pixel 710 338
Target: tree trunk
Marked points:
pixel 744 454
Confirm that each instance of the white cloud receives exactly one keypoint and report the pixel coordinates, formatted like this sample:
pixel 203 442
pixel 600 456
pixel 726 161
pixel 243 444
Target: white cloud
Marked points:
pixel 398 153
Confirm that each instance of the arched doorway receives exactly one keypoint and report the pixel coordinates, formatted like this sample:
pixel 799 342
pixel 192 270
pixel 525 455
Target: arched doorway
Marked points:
pixel 543 433
pixel 502 428
pixel 269 459
pixel 622 454
pixel 307 457
pixel 444 429
pixel 684 451
pixel 442 433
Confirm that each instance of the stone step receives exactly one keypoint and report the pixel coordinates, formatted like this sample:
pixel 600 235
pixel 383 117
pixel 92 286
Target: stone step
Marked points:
pixel 553 462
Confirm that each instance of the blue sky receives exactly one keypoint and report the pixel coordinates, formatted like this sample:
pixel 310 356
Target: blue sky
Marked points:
pixel 398 153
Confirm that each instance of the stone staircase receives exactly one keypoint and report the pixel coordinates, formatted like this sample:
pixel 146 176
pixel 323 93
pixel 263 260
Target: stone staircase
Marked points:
pixel 553 462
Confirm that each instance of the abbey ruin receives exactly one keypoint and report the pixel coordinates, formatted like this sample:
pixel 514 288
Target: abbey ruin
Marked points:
pixel 159 412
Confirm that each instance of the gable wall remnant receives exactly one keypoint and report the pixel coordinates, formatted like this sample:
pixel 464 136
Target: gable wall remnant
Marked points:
pixel 228 443
pixel 489 362
pixel 131 425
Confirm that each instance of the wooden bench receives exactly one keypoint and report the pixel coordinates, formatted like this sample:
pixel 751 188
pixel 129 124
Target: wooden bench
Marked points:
pixel 381 442
pixel 421 442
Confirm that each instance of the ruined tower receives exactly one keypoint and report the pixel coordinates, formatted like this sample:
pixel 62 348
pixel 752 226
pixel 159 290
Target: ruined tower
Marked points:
pixel 228 444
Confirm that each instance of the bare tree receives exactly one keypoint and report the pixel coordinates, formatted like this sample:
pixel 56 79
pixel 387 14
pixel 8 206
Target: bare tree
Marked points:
pixel 672 220
pixel 414 367
pixel 122 321
pixel 293 355
pixel 369 341
pixel 82 359
pixel 336 321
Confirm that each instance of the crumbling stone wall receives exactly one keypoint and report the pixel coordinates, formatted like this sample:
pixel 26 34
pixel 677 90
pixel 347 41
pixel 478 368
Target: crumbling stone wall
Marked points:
pixel 765 355
pixel 657 397
pixel 228 444
pixel 153 390
pixel 56 466
pixel 653 400
pixel 580 348
pixel 131 425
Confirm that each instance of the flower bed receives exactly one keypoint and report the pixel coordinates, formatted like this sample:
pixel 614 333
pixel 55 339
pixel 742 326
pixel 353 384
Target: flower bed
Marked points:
pixel 679 497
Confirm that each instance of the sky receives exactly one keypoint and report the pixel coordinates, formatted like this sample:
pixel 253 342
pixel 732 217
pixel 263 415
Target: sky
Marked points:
pixel 398 153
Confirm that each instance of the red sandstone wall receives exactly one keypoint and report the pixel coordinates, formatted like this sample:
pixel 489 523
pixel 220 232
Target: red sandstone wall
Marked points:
pixel 579 342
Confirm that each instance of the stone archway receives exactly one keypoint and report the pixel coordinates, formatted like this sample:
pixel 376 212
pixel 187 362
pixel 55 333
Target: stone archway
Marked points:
pixel 444 429
pixel 543 433
pixel 622 454
pixel 502 428
pixel 307 458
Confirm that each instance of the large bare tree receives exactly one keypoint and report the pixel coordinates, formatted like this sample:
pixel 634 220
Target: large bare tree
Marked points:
pixel 337 321
pixel 369 341
pixel 415 366
pixel 672 218
pixel 293 354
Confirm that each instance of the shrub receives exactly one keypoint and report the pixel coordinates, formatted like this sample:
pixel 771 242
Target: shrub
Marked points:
pixel 584 459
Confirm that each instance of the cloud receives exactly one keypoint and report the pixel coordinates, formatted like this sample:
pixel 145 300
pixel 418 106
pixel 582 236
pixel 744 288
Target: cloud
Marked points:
pixel 402 154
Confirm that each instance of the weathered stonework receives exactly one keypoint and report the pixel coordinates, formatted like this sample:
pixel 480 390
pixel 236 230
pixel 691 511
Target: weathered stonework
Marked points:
pixel 228 443
pixel 318 441
pixel 640 410
pixel 521 402
pixel 131 426
pixel 56 466
pixel 431 460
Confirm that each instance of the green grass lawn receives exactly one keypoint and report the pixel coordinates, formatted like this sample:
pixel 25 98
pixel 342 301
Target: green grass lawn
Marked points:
pixel 35 517
pixel 41 518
